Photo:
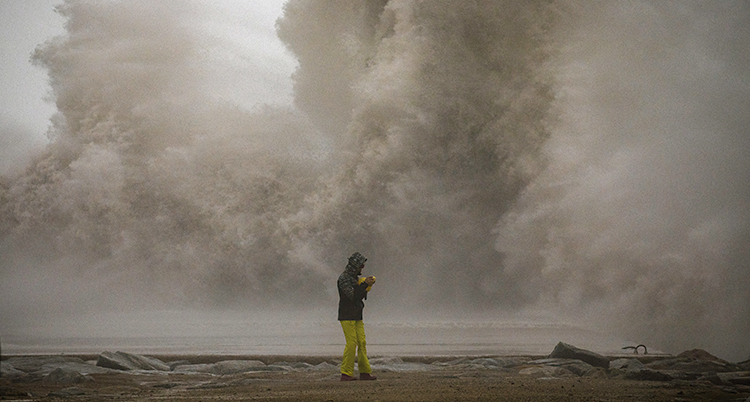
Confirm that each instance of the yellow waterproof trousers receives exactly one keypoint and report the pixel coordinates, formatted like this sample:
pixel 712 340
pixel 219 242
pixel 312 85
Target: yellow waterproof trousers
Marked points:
pixel 354 332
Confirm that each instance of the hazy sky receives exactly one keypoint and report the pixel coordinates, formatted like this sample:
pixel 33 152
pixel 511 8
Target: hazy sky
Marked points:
pixel 25 107
pixel 25 24
pixel 24 113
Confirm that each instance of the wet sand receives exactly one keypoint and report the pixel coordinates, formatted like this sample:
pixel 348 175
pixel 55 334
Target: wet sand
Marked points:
pixel 411 386
pixel 444 384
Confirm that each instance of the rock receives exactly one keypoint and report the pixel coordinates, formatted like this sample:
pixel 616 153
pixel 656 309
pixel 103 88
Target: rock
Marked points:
pixel 386 360
pixel 699 354
pixel 8 371
pixel 239 366
pixel 664 364
pixel 735 378
pixel 740 380
pixel 194 368
pixel 627 365
pixel 67 392
pixel 168 385
pixel 581 368
pixel 395 364
pixel 509 362
pixel 325 366
pixel 565 351
pixel 300 366
pixel 546 372
pixel 547 361
pixel 686 364
pixel 455 362
pixel 702 366
pixel 227 367
pixel 575 366
pixel 11 392
pixel 648 375
pixel 499 362
pixel 485 362
pixel 128 361
pixel 56 369
pixel 30 364
pixel 82 368
pixel 174 364
pixel 66 376
pixel 712 378
pixel 700 360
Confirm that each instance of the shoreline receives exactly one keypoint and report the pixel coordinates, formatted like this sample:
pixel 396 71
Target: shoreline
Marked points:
pixel 690 376
pixel 209 358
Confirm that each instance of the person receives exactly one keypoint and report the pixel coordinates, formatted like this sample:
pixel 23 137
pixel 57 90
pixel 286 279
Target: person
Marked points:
pixel 352 292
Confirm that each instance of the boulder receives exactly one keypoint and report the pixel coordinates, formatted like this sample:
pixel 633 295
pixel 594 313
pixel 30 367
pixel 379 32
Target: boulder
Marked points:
pixel 12 393
pixel 300 366
pixel 575 366
pixel 703 366
pixel 648 375
pixel 325 366
pixel 67 393
pixel 699 354
pixel 740 381
pixel 698 360
pixel 194 368
pixel 627 365
pixel 566 351
pixel 66 376
pixel 55 369
pixel 736 378
pixel 499 362
pixel 30 364
pixel 82 368
pixel 8 371
pixel 174 364
pixel 546 372
pixel 128 361
pixel 227 367
pixel 693 365
pixel 238 366
pixel 712 378
pixel 395 364
pixel 664 364
pixel 386 360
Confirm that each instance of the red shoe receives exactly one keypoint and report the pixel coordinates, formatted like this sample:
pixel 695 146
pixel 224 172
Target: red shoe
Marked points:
pixel 367 377
pixel 345 377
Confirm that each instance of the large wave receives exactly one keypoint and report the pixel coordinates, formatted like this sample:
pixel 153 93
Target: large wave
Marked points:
pixel 519 156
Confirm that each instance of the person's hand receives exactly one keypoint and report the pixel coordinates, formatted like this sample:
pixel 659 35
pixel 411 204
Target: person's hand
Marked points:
pixel 370 280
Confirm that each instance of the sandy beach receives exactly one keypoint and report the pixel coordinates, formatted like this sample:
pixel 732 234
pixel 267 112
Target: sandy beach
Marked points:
pixel 443 382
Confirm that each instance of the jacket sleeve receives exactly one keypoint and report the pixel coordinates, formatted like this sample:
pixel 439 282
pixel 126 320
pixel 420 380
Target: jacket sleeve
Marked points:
pixel 360 291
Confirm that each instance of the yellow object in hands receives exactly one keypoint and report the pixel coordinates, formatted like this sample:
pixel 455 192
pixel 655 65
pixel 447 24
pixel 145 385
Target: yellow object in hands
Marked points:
pixel 362 279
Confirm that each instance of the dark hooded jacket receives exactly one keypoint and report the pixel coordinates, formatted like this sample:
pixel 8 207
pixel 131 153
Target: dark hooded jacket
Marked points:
pixel 351 294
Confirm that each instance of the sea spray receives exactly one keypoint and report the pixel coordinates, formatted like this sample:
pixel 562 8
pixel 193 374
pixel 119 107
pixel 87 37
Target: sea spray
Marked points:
pixel 637 220
pixel 152 186
pixel 448 108
pixel 585 162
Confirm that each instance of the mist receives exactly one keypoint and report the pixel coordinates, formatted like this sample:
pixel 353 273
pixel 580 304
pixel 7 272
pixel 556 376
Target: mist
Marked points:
pixel 576 162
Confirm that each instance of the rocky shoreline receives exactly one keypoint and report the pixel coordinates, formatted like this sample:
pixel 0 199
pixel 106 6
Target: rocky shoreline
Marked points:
pixel 691 375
